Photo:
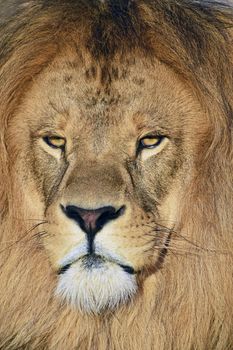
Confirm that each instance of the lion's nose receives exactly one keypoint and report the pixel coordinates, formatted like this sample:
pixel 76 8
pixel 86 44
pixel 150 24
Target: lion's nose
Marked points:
pixel 92 221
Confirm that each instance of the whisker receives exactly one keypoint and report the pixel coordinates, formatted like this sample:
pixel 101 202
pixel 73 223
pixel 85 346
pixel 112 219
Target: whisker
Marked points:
pixel 161 228
pixel 160 231
pixel 21 239
pixel 20 219
pixel 41 234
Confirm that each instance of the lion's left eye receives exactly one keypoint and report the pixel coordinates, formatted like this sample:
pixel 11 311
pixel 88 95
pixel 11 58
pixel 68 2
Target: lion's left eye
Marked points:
pixel 55 141
pixel 151 141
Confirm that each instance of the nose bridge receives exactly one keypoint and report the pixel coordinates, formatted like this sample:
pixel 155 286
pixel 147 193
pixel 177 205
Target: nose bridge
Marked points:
pixel 94 185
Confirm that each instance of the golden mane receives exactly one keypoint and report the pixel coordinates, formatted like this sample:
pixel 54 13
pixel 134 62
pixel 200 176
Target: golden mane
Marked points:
pixel 194 39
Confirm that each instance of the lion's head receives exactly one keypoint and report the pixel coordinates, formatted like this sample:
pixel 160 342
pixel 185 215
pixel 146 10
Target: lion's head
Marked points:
pixel 116 175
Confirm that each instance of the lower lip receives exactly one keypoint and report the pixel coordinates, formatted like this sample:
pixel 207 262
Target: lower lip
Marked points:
pixel 96 261
pixel 62 270
pixel 128 269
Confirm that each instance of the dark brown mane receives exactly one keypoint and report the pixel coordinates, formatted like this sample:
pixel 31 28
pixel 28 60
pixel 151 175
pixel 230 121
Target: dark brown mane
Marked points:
pixel 192 32
pixel 190 36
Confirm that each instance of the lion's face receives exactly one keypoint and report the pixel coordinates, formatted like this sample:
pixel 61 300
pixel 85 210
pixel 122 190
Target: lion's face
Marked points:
pixel 108 152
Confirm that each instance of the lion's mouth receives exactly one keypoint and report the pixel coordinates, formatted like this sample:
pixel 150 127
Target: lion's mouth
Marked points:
pixel 95 282
pixel 94 261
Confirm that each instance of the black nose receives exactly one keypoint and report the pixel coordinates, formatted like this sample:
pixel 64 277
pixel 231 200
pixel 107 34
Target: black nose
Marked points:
pixel 92 221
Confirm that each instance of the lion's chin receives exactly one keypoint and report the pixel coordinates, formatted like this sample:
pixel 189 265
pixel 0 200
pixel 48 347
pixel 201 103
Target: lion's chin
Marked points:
pixel 95 288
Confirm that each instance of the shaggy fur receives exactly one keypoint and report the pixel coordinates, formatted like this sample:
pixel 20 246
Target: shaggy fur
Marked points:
pixel 187 305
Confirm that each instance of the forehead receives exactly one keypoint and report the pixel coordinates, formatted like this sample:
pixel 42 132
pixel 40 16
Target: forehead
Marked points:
pixel 130 90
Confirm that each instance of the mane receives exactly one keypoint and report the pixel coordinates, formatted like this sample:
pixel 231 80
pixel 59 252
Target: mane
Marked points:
pixel 194 38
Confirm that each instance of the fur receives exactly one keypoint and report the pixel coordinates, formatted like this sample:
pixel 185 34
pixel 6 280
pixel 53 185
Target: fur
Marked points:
pixel 187 304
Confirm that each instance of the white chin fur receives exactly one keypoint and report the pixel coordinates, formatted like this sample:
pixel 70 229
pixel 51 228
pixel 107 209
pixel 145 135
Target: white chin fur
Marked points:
pixel 97 289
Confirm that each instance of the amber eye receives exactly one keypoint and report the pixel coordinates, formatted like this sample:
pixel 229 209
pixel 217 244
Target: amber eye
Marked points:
pixel 150 141
pixel 55 141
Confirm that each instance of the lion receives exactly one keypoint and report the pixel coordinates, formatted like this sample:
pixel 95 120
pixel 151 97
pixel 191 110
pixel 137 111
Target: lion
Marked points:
pixel 116 175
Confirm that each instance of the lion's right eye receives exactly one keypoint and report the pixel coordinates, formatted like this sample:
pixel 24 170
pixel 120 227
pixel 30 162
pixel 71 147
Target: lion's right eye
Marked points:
pixel 55 141
pixel 151 141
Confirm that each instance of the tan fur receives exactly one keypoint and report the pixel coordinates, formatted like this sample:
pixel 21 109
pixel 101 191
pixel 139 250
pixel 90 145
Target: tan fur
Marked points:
pixel 142 73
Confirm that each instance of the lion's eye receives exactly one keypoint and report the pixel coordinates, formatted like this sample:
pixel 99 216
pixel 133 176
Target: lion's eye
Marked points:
pixel 55 141
pixel 151 141
pixel 151 145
